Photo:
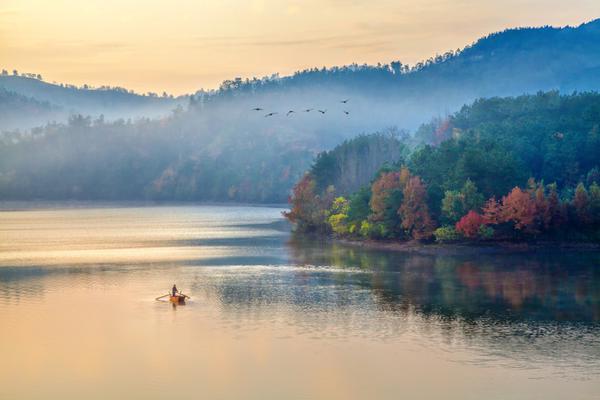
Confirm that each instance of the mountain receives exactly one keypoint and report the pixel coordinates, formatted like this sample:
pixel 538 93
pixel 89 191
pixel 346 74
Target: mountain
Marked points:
pixel 508 63
pixel 60 101
pixel 219 148
pixel 15 108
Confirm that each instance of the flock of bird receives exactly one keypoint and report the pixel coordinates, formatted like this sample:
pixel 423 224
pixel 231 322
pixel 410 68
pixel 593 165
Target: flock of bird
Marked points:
pixel 290 112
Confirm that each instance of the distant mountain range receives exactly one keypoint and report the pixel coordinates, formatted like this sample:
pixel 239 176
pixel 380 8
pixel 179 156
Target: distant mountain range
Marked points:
pixel 507 63
pixel 26 101
pixel 241 142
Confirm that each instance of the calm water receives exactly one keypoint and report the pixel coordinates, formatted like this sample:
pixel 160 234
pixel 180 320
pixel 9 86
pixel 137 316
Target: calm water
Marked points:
pixel 274 317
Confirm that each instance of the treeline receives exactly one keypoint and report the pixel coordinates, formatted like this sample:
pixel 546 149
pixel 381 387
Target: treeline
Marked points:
pixel 167 159
pixel 224 147
pixel 500 169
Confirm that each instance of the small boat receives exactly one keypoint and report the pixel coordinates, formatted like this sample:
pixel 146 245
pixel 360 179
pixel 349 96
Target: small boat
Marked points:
pixel 177 299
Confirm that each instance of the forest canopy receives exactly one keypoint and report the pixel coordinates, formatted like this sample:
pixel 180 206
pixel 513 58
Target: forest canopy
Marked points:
pixel 500 168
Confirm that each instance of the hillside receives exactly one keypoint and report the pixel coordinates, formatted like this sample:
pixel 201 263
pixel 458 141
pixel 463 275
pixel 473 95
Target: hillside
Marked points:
pixel 65 100
pixel 218 148
pixel 534 158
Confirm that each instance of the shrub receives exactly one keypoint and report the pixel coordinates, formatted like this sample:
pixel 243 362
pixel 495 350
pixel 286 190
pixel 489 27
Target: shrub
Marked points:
pixel 338 223
pixel 470 224
pixel 446 234
pixel 486 232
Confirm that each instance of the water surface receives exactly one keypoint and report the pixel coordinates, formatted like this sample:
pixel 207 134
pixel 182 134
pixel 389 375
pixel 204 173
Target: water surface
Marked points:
pixel 272 316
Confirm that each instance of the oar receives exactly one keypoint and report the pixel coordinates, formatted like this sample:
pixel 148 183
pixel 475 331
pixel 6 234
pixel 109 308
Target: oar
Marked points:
pixel 160 297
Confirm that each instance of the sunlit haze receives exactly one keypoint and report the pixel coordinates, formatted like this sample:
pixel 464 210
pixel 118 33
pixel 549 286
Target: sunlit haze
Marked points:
pixel 186 45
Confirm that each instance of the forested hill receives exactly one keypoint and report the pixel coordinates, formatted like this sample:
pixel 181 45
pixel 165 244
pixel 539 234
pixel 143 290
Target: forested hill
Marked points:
pixel 60 101
pixel 507 63
pixel 220 148
pixel 533 158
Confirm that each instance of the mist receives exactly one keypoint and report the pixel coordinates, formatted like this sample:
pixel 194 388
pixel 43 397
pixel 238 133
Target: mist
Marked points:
pixel 61 142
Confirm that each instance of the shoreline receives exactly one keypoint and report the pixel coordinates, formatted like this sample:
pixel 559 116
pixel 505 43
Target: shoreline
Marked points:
pixel 417 247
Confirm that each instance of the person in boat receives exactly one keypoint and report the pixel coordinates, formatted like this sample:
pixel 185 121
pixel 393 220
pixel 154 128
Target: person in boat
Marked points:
pixel 174 290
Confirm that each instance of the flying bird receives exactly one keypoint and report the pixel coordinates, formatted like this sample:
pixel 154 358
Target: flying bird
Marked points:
pixel 271 114
pixel 308 109
pixel 322 111
pixel 346 112
pixel 344 101
pixel 289 112
pixel 257 109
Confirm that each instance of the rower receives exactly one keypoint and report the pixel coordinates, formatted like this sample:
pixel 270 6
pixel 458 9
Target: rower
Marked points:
pixel 174 290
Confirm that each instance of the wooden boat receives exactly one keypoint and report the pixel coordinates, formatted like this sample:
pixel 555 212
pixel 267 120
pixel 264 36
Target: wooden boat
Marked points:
pixel 177 299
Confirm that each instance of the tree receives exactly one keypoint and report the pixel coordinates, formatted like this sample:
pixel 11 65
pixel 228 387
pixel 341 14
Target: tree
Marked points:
pixel 581 203
pixel 339 216
pixel 414 211
pixel 594 194
pixel 359 210
pixel 383 188
pixel 452 206
pixel 542 208
pixel 470 224
pixel 492 212
pixel 472 199
pixel 518 207
pixel 555 208
pixel 456 204
pixel 308 210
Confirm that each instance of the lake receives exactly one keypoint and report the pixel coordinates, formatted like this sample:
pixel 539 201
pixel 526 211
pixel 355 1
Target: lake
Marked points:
pixel 272 316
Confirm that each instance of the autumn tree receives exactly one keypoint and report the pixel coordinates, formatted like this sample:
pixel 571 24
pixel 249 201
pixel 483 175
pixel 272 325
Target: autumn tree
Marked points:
pixel 308 209
pixel 386 198
pixel 492 212
pixel 383 188
pixel 518 207
pixel 414 212
pixel 470 224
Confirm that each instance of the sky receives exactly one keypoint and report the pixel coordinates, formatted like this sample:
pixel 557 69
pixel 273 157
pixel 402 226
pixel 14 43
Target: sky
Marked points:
pixel 180 46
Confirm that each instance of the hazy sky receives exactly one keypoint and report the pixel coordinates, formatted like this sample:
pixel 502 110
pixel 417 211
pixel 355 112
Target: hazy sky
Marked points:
pixel 183 45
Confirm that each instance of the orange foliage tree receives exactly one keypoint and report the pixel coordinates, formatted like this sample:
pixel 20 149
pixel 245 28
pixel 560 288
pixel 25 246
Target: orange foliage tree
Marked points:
pixel 519 207
pixel 492 212
pixel 308 209
pixel 414 212
pixel 382 188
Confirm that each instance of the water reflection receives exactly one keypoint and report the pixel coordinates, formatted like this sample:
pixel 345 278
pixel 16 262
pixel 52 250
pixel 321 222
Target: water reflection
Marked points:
pixel 253 285
pixel 546 286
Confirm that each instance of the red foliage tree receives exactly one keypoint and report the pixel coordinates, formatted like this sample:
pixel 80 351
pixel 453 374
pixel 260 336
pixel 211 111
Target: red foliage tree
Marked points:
pixel 469 224
pixel 519 207
pixel 414 212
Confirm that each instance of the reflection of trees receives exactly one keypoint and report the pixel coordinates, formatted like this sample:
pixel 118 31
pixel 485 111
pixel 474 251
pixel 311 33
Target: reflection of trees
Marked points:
pixel 527 308
pixel 548 286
